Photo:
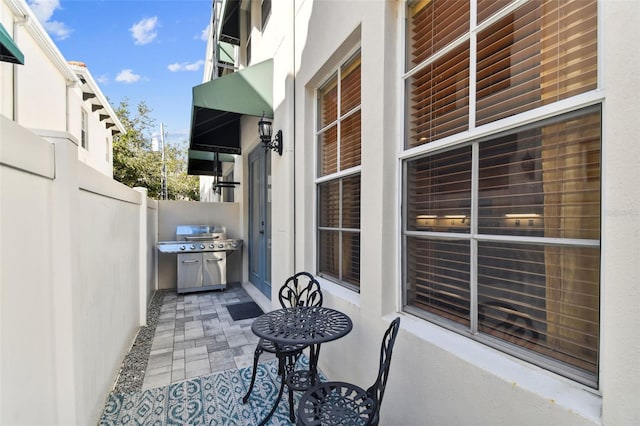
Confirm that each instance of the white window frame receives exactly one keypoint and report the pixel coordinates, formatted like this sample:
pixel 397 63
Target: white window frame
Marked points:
pixel 474 134
pixel 356 170
pixel 84 129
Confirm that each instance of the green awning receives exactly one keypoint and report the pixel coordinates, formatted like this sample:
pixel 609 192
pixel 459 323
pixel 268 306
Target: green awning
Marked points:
pixel 229 27
pixel 225 53
pixel 9 52
pixel 219 104
pixel 207 163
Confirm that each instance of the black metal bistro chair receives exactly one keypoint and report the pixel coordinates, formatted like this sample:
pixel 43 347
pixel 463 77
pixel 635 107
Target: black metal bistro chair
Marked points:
pixel 339 403
pixel 302 289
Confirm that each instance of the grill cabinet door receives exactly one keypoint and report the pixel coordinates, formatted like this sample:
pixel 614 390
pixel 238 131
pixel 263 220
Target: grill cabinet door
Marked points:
pixel 189 270
pixel 214 268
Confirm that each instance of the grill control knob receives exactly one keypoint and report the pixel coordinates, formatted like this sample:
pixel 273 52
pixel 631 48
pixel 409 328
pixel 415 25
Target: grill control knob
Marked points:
pixel 234 245
pixel 220 245
pixel 192 247
pixel 201 246
pixel 212 245
pixel 182 247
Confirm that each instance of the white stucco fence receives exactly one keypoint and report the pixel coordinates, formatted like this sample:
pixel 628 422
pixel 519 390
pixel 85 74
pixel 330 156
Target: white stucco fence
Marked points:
pixel 78 269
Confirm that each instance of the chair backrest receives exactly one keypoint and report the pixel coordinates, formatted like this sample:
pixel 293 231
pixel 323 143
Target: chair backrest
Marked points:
pixel 376 391
pixel 302 289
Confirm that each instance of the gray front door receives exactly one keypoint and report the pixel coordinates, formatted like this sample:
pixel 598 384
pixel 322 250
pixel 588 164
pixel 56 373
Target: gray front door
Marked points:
pixel 260 219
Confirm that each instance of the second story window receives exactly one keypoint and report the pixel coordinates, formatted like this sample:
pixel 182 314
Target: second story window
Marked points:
pixel 84 130
pixel 266 12
pixel 248 28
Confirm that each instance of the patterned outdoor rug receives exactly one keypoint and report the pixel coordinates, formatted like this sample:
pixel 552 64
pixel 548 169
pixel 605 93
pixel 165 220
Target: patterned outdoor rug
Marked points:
pixel 215 399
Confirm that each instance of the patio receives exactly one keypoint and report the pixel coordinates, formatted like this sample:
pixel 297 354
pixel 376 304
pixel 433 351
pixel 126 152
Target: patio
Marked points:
pixel 192 363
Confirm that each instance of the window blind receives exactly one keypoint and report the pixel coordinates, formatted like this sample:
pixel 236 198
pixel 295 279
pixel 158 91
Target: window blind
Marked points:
pixel 438 277
pixel 339 149
pixel 538 54
pixel 350 85
pixel 439 98
pixel 438 95
pixel 487 8
pixel 328 137
pixel 329 204
pixel 439 191
pixel 433 24
pixel 541 181
pixel 350 126
pixel 527 296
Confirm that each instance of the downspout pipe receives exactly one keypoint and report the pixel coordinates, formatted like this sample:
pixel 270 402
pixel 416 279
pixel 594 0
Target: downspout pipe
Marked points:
pixel 293 73
pixel 24 19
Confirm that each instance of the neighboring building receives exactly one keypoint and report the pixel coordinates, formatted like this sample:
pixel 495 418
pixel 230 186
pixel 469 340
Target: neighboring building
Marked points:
pixel 470 166
pixel 51 97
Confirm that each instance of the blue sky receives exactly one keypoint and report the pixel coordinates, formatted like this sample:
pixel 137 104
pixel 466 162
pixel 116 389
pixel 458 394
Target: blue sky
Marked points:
pixel 144 50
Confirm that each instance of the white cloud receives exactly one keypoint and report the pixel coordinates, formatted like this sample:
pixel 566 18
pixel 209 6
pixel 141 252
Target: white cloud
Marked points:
pixel 44 9
pixel 144 31
pixel 103 79
pixel 204 35
pixel 186 66
pixel 58 29
pixel 127 76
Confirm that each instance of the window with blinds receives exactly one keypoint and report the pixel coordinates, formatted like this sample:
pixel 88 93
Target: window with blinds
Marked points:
pixel 538 54
pixel 338 180
pixel 502 232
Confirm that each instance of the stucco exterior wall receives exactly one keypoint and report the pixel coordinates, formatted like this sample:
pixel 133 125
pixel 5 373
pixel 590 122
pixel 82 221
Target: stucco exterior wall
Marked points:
pixel 620 371
pixel 437 376
pixel 45 94
pixel 100 139
pixel 6 69
pixel 41 88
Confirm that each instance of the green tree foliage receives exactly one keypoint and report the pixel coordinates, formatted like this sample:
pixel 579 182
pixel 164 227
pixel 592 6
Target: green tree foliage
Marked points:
pixel 136 165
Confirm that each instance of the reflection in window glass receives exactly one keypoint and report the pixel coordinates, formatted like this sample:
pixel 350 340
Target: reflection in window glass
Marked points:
pixel 541 181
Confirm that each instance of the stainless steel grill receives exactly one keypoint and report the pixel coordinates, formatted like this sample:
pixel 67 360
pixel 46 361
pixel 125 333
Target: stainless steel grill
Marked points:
pixel 202 256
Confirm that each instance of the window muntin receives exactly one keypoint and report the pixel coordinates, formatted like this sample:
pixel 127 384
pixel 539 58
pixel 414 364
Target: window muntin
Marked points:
pixel 501 233
pixel 541 181
pixel 539 53
pixel 338 185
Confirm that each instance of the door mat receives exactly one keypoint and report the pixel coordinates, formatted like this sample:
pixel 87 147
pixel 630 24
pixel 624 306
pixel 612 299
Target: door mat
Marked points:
pixel 240 311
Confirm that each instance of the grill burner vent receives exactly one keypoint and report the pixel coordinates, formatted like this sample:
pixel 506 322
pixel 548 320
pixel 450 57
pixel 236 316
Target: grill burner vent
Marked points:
pixel 200 239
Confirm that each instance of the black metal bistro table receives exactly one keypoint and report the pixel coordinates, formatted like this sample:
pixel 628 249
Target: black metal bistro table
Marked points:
pixel 309 325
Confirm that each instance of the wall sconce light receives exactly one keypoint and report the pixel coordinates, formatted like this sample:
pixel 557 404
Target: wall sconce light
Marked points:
pixel 516 217
pixel 264 129
pixel 425 220
pixel 454 217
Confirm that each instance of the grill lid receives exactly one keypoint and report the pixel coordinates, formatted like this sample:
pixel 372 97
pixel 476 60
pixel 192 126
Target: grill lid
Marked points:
pixel 200 232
